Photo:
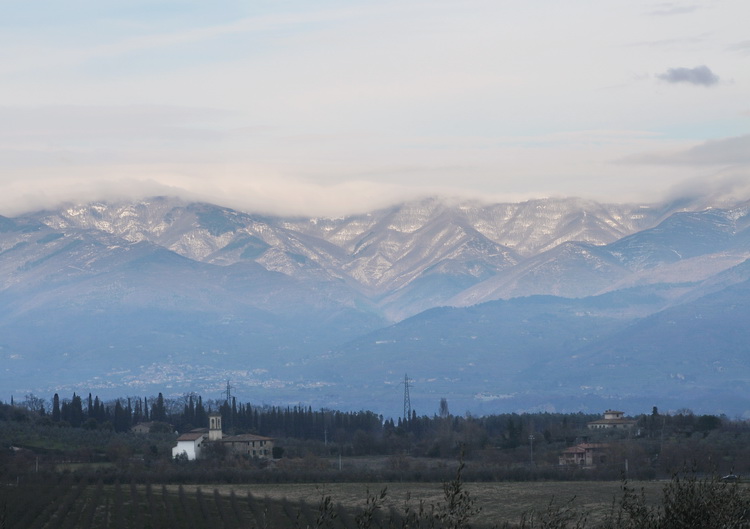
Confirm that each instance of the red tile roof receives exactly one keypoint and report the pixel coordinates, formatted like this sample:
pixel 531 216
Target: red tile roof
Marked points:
pixel 244 438
pixel 191 436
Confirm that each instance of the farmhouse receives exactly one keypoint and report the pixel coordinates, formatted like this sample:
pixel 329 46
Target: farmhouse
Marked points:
pixel 191 444
pixel 584 455
pixel 142 427
pixel 612 419
pixel 152 427
pixel 249 445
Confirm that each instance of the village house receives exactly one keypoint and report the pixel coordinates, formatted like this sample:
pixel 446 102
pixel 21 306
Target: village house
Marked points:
pixel 612 419
pixel 249 445
pixel 152 427
pixel 192 443
pixel 584 455
pixel 142 427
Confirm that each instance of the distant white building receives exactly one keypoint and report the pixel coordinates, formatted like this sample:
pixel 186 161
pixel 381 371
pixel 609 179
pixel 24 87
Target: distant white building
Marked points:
pixel 192 443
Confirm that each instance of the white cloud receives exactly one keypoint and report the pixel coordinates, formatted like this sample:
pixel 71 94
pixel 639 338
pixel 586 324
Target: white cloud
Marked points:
pixel 730 185
pixel 671 8
pixel 39 193
pixel 258 195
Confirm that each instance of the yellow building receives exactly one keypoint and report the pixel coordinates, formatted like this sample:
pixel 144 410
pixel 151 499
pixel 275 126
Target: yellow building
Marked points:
pixel 612 419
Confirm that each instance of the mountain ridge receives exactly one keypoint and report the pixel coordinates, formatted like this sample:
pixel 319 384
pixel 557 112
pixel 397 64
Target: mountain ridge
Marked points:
pixel 310 303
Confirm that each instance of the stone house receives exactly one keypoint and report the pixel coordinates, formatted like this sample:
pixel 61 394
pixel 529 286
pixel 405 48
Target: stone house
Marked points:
pixel 142 428
pixel 584 455
pixel 152 427
pixel 249 445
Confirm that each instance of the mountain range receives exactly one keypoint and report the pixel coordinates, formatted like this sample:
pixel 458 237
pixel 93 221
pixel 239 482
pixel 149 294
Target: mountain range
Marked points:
pixel 554 304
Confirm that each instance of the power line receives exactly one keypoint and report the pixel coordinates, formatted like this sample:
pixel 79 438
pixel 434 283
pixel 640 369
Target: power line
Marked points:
pixel 407 400
pixel 228 391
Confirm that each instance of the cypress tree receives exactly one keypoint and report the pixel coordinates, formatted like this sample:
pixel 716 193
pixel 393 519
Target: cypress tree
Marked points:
pixel 76 411
pixel 122 422
pixel 137 412
pixel 99 412
pixel 201 418
pixel 159 410
pixel 56 408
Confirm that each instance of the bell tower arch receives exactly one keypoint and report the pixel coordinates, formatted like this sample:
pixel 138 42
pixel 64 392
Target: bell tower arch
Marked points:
pixel 214 427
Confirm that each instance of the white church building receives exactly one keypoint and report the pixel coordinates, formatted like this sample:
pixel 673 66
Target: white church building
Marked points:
pixel 192 443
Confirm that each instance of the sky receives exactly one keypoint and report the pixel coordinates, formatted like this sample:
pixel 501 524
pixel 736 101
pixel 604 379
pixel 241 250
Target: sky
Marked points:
pixel 332 107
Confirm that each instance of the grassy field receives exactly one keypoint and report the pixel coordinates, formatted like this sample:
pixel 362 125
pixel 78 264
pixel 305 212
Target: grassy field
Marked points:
pixel 500 502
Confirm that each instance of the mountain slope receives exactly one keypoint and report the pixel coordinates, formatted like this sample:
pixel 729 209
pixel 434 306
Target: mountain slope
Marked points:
pixel 553 353
pixel 696 351
pixel 684 247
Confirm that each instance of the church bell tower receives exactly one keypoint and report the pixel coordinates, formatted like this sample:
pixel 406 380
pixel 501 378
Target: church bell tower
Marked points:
pixel 214 427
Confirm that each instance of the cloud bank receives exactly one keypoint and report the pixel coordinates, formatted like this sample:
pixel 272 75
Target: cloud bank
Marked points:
pixel 734 151
pixel 272 196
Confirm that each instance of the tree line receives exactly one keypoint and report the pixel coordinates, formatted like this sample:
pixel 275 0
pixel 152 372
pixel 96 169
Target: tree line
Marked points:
pixel 660 440
pixel 190 411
